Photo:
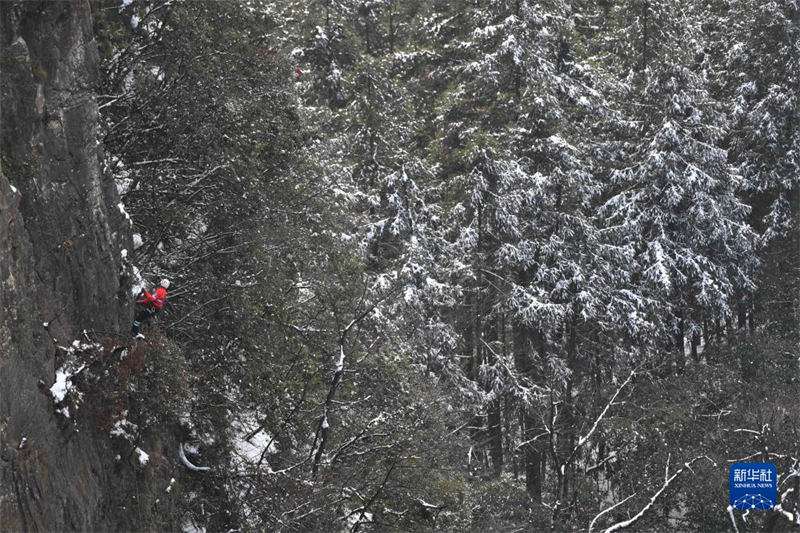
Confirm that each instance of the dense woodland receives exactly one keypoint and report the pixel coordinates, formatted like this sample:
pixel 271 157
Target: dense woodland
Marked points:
pixel 464 265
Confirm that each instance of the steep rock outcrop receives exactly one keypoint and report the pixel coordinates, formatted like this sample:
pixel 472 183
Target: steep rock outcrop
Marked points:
pixel 62 231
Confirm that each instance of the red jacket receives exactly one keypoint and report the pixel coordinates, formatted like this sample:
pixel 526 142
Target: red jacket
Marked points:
pixel 157 300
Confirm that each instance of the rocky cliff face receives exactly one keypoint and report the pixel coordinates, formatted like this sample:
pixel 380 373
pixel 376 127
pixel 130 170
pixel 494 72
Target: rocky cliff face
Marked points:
pixel 62 231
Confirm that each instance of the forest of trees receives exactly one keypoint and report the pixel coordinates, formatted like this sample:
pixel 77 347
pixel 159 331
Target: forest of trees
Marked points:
pixel 465 265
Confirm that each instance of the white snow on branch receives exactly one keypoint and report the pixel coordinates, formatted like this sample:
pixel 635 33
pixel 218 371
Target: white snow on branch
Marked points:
pixel 340 363
pixel 585 438
pixel 733 518
pixel 654 498
pixel 784 513
pixel 608 510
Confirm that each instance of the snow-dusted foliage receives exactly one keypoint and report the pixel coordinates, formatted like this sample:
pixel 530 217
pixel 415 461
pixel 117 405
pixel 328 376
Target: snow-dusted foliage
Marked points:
pixel 674 201
pixel 762 63
pixel 440 264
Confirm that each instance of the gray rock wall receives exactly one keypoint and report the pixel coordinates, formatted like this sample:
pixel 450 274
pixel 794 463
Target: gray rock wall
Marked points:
pixel 61 235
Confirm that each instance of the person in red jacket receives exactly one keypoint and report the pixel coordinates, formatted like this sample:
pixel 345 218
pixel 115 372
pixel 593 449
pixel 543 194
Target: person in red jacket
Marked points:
pixel 154 303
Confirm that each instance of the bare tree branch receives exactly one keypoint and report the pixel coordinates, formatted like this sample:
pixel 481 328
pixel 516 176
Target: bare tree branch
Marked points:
pixel 372 499
pixel 608 510
pixel 654 498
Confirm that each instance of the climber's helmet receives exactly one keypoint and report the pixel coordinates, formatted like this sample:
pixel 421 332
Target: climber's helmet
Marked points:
pixel 165 283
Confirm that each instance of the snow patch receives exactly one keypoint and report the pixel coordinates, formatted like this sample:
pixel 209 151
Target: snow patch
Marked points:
pixel 137 241
pixel 355 517
pixel 123 184
pixel 191 448
pixel 260 442
pixel 142 456
pixel 250 450
pixel 127 83
pixel 123 428
pixel 189 526
pixel 61 386
pixel 138 282
pixel 121 207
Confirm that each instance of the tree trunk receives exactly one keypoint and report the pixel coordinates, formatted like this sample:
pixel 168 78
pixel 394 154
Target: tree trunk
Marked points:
pixel 742 316
pixel 645 8
pixel 524 342
pixel 469 336
pixel 367 46
pixel 795 265
pixel 391 27
pixel 680 354
pixel 494 419
pixel 567 424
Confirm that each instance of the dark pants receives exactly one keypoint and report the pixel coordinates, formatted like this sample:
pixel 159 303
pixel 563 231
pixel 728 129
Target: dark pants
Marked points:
pixel 142 317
